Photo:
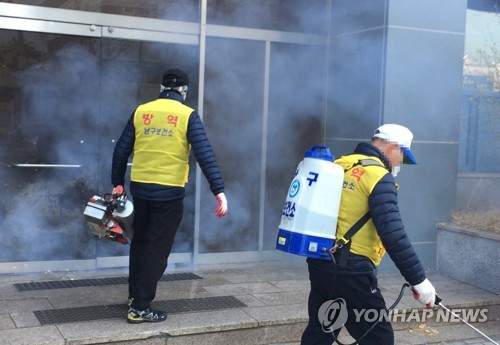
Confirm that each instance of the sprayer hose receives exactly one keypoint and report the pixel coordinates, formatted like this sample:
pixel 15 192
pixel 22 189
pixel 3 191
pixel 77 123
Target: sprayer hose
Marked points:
pixel 403 287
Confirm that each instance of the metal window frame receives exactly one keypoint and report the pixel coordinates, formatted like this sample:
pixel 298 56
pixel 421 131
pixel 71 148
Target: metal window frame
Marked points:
pixel 82 23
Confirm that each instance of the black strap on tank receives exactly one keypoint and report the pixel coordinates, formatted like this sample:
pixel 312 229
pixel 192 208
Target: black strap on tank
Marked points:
pixel 345 246
pixel 367 162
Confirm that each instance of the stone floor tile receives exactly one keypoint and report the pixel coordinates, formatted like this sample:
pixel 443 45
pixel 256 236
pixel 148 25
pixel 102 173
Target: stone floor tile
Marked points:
pixel 48 335
pixel 6 321
pixel 24 320
pixel 242 288
pixel 280 314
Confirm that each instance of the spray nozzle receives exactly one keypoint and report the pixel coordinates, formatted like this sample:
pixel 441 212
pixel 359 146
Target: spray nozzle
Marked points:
pixel 437 300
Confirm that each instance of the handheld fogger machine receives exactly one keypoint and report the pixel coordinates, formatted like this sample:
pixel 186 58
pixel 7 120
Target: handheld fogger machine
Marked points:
pixel 110 217
pixel 309 217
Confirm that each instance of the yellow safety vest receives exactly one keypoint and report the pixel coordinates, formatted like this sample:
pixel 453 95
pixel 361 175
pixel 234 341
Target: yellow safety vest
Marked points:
pixel 161 149
pixel 359 182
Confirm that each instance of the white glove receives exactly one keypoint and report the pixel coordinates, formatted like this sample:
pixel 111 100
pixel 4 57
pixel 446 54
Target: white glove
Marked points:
pixel 425 293
pixel 221 209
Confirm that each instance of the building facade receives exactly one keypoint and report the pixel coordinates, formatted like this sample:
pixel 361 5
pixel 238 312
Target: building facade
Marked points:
pixel 270 78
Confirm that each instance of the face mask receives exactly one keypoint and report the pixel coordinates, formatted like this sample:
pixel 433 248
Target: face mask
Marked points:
pixel 395 171
pixel 181 89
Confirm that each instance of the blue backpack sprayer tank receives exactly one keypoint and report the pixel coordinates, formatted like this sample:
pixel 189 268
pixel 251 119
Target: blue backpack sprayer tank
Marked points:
pixel 309 217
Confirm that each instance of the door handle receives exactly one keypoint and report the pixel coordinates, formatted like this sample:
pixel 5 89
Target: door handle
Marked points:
pixel 28 165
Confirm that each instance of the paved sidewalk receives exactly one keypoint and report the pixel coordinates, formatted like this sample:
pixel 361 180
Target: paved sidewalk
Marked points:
pixel 273 310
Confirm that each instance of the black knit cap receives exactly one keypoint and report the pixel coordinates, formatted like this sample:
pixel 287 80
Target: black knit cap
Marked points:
pixel 175 77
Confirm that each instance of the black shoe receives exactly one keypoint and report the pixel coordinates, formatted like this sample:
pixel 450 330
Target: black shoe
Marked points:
pixel 146 315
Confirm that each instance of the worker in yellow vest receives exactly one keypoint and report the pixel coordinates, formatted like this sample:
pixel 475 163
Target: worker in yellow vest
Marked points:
pixel 160 134
pixel 369 199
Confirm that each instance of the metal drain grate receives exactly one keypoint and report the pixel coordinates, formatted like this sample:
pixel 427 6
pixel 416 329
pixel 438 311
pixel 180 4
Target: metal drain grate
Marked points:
pixel 114 311
pixel 64 284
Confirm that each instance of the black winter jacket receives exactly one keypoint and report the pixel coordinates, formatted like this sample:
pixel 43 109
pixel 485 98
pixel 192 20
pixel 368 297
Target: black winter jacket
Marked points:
pixel 200 145
pixel 384 211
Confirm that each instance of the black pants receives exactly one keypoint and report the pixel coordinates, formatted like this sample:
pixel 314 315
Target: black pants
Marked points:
pixel 359 292
pixel 155 225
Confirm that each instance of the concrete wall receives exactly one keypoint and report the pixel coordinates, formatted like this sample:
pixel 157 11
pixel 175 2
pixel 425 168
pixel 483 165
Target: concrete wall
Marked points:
pixel 469 255
pixel 401 62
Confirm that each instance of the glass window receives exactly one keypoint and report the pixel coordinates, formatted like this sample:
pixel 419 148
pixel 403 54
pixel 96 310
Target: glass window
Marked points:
pixel 283 15
pixel 296 108
pixel 233 119
pixel 480 118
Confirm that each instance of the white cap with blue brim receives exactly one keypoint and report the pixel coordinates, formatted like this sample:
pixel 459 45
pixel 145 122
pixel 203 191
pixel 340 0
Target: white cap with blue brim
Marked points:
pixel 400 135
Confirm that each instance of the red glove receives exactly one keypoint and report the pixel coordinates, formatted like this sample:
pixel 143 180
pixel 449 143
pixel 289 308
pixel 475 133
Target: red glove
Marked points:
pixel 118 190
pixel 221 209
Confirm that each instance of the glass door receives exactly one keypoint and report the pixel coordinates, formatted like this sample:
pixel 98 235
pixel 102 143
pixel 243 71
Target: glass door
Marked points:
pixel 66 92
pixel 49 145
